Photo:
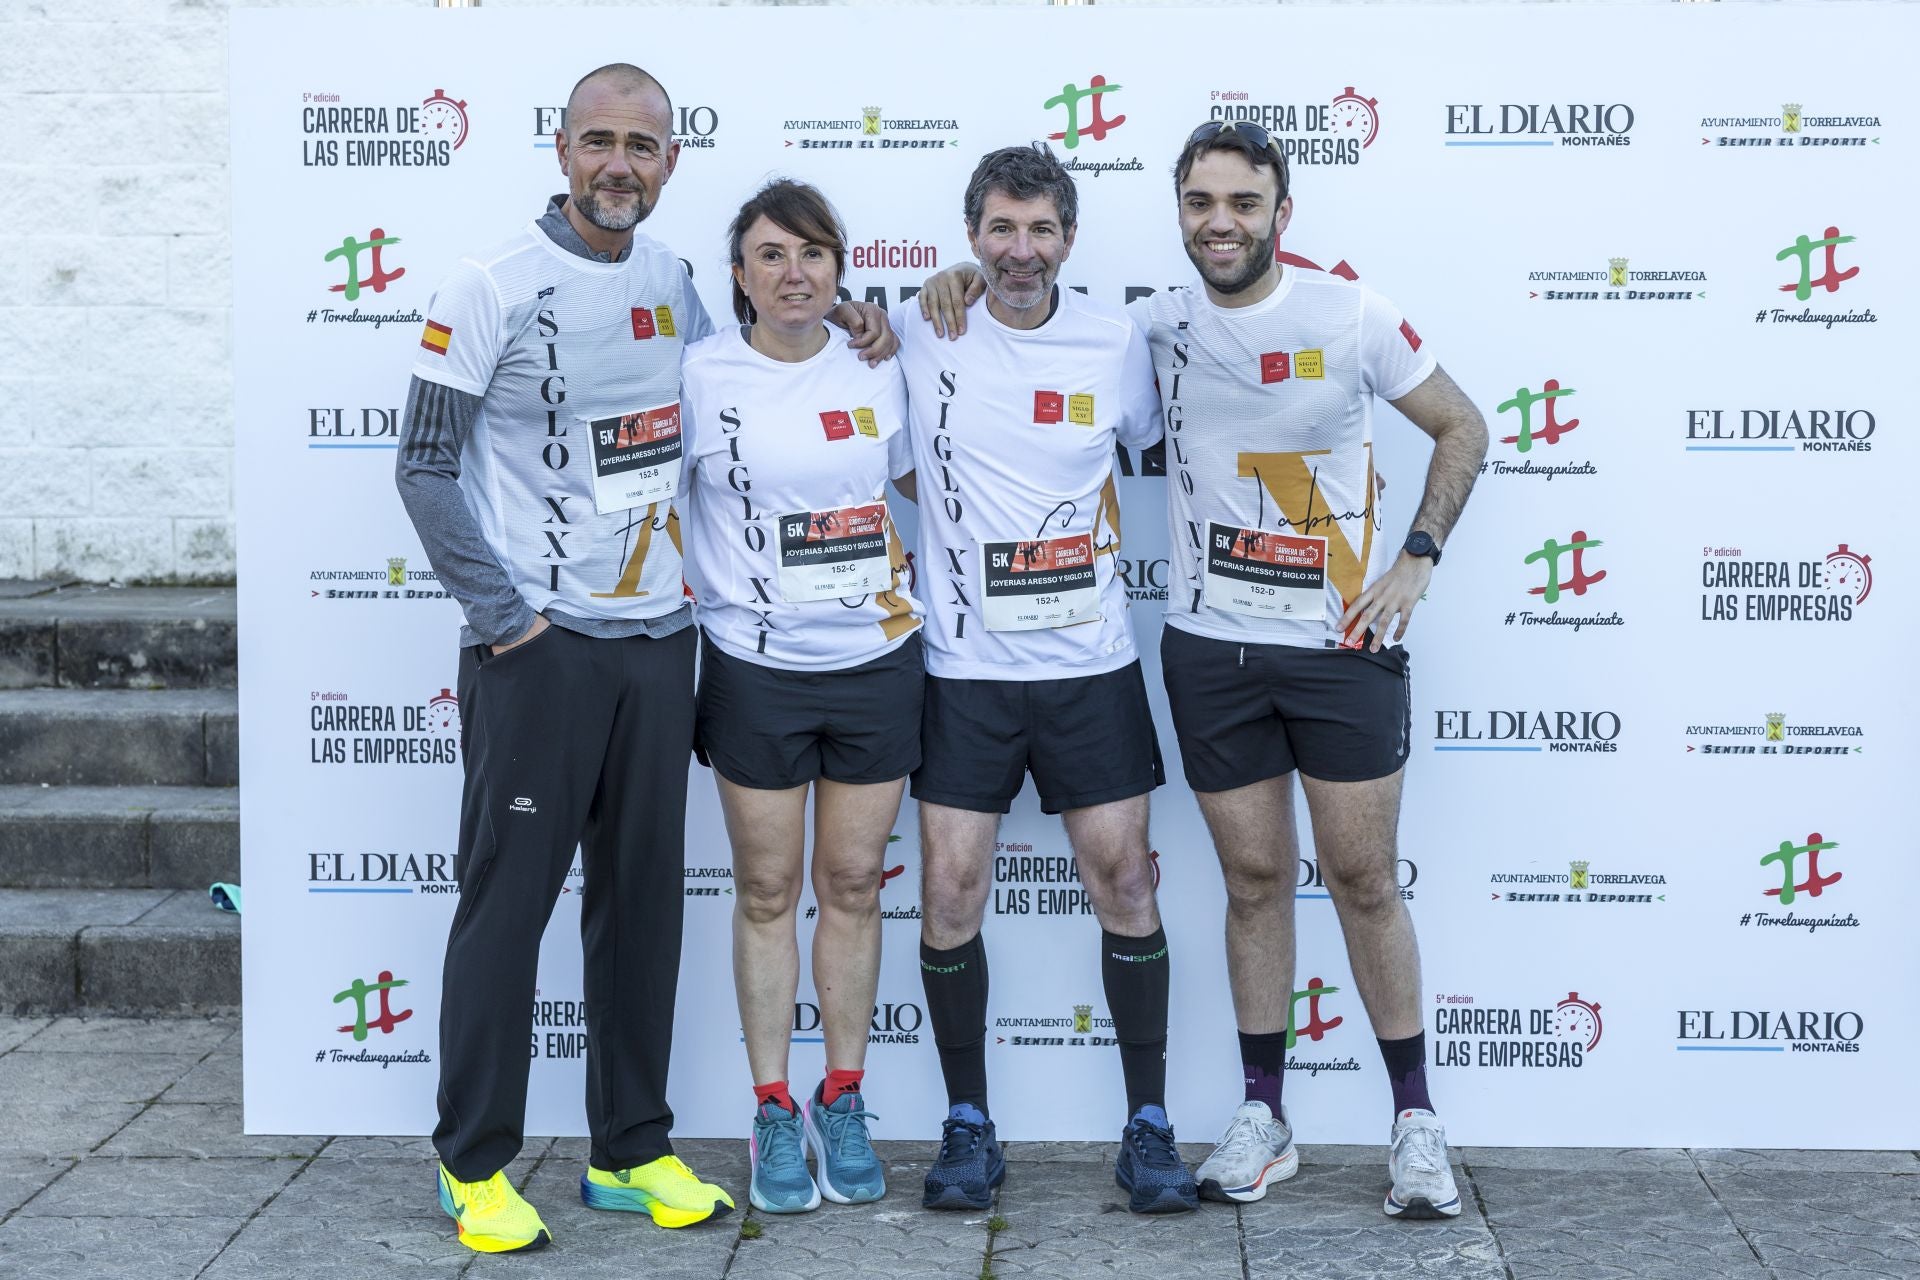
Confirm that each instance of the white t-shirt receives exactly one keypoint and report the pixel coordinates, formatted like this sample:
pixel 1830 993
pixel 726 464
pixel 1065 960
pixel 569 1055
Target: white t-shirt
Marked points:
pixel 791 552
pixel 553 343
pixel 1013 433
pixel 1275 522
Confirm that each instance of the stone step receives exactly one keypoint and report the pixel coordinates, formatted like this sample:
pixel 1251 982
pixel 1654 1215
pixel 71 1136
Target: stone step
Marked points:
pixel 94 637
pixel 118 837
pixel 115 737
pixel 131 951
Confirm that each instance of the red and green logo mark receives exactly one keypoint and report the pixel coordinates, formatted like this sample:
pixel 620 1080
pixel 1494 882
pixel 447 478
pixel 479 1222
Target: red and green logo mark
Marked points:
pixel 1802 248
pixel 1314 1027
pixel 1579 579
pixel 386 1020
pixel 377 278
pixel 1551 429
pixel 1788 856
pixel 1070 97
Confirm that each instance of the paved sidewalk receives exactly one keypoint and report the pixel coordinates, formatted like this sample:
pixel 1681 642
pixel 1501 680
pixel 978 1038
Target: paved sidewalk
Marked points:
pixel 121 1155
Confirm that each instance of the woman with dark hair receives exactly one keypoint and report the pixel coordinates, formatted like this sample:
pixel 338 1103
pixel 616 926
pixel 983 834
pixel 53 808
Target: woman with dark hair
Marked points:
pixel 810 668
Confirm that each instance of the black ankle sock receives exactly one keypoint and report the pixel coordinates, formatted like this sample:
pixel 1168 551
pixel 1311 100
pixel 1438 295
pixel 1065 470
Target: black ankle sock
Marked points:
pixel 1407 1072
pixel 1263 1061
pixel 956 986
pixel 1135 972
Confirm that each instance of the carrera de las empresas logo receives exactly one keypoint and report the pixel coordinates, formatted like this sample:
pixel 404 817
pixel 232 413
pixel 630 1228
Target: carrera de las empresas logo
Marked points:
pixel 1473 1031
pixel 1336 130
pixel 1740 587
pixel 340 132
pixel 347 730
pixel 1029 884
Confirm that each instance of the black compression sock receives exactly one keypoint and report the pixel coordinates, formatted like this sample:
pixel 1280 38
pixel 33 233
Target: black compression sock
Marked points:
pixel 956 986
pixel 1136 972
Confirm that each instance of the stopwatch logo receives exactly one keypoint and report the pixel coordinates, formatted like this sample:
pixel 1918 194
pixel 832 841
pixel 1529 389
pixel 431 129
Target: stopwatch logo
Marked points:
pixel 1577 1019
pixel 444 118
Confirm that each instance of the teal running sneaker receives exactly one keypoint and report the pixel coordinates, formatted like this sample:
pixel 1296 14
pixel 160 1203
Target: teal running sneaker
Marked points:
pixel 778 1150
pixel 849 1170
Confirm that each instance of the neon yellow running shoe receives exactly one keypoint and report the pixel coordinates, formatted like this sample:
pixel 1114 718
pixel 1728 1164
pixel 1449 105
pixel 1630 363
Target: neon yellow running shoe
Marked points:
pixel 491 1215
pixel 664 1188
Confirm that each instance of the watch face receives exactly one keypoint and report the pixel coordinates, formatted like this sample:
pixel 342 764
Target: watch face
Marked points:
pixel 1420 544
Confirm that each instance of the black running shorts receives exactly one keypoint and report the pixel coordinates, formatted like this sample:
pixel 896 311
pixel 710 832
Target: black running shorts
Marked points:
pixel 771 728
pixel 1247 712
pixel 1087 740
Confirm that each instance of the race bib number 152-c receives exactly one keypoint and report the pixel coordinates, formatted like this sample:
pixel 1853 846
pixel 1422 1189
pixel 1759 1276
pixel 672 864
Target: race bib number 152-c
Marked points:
pixel 829 555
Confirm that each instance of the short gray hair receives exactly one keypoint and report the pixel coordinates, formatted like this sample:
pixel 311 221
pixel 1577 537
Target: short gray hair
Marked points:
pixel 1023 173
pixel 629 78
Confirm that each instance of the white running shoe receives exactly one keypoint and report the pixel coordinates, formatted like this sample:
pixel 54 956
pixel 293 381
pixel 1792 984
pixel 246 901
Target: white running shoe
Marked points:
pixel 1256 1149
pixel 1422 1177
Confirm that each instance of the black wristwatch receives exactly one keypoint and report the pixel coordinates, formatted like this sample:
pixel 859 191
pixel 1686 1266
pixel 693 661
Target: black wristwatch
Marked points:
pixel 1421 543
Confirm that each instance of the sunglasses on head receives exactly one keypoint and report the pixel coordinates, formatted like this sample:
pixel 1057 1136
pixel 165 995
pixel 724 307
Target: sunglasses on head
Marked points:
pixel 1246 128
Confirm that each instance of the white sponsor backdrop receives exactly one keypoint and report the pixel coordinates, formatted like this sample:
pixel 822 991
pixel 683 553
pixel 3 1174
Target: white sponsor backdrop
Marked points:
pixel 347 862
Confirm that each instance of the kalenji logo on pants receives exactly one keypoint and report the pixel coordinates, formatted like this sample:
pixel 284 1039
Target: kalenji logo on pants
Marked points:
pixel 521 804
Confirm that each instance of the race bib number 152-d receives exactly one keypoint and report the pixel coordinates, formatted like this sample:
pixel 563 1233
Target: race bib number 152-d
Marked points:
pixel 1264 574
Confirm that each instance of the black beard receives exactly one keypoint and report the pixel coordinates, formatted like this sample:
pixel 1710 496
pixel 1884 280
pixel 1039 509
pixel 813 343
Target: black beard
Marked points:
pixel 1256 269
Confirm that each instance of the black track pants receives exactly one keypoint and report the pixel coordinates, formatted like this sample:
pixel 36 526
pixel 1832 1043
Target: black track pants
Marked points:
pixel 570 740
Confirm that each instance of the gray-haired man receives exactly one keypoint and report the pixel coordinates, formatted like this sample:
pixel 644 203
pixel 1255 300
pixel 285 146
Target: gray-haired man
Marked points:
pixel 1030 659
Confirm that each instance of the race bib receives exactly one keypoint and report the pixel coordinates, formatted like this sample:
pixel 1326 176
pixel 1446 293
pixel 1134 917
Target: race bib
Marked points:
pixel 636 458
pixel 828 555
pixel 1264 574
pixel 1039 583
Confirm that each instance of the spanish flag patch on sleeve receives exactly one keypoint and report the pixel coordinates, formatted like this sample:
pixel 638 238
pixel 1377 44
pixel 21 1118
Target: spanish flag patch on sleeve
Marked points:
pixel 437 338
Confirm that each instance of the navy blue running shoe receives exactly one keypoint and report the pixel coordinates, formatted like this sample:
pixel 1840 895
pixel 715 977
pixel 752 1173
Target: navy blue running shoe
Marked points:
pixel 1150 1168
pixel 969 1165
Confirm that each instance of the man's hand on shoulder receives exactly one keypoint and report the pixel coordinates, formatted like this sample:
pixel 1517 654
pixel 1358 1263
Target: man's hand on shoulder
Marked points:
pixel 868 330
pixel 945 297
pixel 540 624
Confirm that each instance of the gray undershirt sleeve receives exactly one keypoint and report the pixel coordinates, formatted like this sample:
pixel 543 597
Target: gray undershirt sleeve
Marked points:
pixel 439 420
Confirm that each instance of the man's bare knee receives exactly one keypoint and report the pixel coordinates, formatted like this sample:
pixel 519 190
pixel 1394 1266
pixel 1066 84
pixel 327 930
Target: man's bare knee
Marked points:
pixel 766 899
pixel 1369 890
pixel 1257 885
pixel 848 889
